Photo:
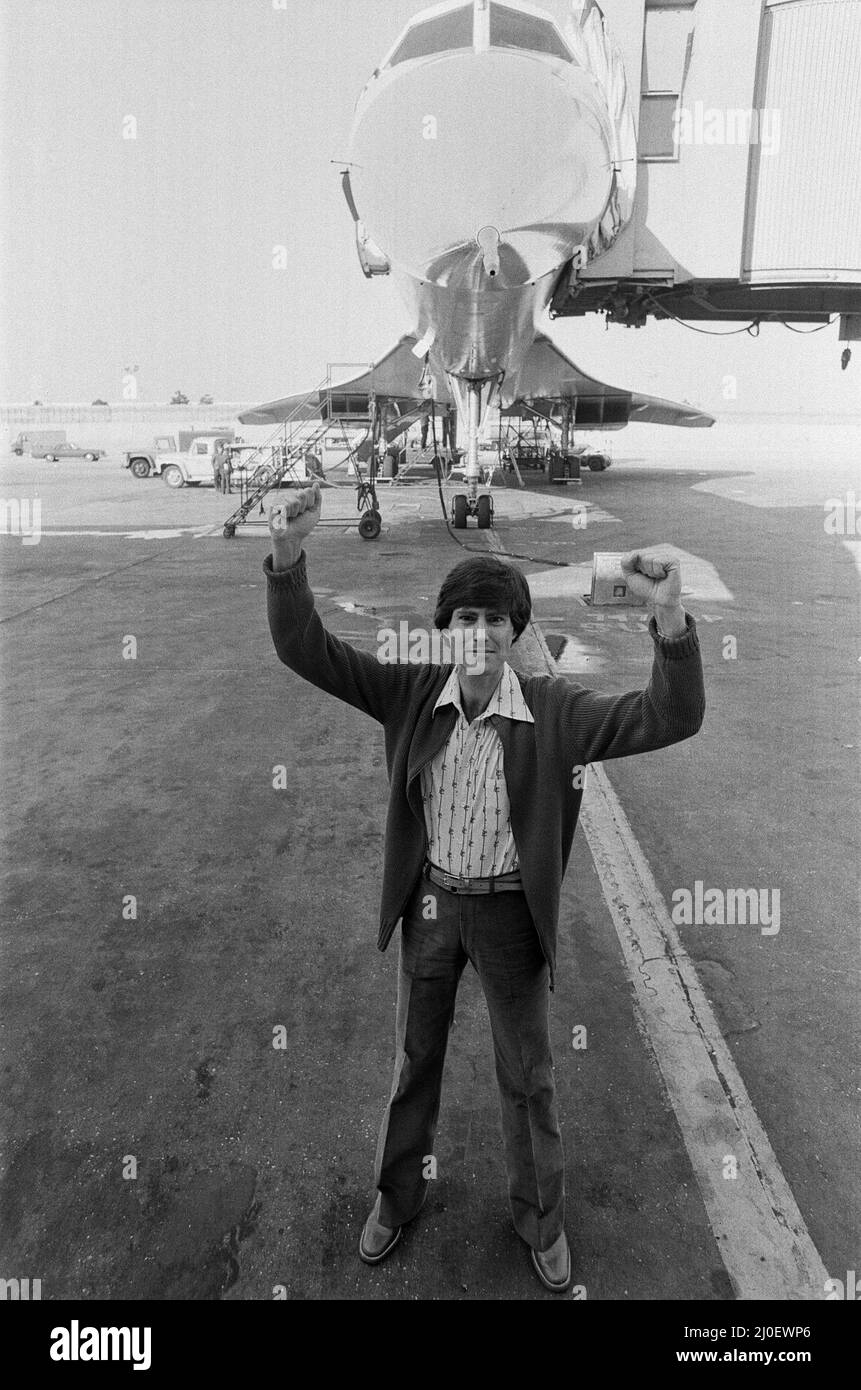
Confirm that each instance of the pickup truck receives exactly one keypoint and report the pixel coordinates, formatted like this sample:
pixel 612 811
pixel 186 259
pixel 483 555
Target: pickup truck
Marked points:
pixel 191 467
pixel 145 463
pixel 250 462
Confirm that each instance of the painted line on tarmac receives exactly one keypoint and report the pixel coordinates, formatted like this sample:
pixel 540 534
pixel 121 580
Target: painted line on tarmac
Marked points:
pixel 760 1232
pixel 87 583
pixel 154 533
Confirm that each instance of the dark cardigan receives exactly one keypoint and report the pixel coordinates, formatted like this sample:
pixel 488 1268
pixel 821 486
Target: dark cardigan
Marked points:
pixel 573 726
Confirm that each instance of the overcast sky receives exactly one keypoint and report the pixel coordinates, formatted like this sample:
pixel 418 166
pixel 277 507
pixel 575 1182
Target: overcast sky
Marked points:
pixel 157 251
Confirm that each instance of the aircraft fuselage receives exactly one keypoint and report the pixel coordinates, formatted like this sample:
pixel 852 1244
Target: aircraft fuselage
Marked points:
pixel 478 172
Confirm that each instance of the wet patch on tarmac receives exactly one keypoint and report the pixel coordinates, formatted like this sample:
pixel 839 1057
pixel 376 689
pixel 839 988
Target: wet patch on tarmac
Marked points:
pixel 733 1013
pixel 617 1197
pixel 204 1074
pixel 199 1220
pixel 348 605
pixel 572 656
pixel 173 1233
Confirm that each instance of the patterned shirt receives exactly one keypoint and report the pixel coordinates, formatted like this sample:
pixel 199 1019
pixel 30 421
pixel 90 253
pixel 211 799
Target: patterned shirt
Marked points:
pixel 465 797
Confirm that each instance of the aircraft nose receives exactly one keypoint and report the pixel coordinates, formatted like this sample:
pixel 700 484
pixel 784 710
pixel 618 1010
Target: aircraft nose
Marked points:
pixel 502 152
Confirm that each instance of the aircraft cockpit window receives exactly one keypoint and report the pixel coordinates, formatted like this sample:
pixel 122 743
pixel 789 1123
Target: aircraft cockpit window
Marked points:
pixel 514 29
pixel 452 30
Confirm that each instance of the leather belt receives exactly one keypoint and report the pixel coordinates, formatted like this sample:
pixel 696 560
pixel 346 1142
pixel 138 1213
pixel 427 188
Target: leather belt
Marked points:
pixel 502 883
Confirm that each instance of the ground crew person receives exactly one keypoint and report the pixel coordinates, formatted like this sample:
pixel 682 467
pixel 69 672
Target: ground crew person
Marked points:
pixel 427 412
pixel 221 467
pixel 449 431
pixel 226 467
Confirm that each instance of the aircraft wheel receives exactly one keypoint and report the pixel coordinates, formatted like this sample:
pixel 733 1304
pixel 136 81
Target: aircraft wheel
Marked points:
pixel 485 513
pixel 172 475
pixel 598 462
pixel 229 532
pixel 458 511
pixel 370 526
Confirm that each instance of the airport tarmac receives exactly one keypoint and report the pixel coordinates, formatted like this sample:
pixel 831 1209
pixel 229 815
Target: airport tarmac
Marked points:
pixel 158 1145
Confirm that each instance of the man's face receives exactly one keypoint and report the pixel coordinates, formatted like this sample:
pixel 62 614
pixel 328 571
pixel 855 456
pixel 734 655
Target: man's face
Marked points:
pixel 498 631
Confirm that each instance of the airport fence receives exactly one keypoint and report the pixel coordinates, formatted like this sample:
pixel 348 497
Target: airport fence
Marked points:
pixel 125 412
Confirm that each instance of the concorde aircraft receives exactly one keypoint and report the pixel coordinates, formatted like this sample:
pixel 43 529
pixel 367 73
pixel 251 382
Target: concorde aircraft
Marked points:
pixel 500 162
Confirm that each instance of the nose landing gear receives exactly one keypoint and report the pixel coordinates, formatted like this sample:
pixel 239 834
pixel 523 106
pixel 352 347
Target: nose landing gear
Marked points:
pixel 469 503
pixel 463 507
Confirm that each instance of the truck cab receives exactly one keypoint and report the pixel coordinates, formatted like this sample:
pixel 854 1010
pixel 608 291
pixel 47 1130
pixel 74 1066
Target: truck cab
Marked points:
pixel 150 462
pixel 194 466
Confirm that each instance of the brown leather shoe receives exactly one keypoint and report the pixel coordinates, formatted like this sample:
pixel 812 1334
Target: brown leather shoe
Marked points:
pixel 553 1266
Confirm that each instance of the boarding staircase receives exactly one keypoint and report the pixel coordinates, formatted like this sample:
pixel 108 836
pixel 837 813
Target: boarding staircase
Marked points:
pixel 271 474
pixel 286 453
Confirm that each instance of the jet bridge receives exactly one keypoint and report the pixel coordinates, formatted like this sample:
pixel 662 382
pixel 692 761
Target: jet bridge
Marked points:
pixel 748 189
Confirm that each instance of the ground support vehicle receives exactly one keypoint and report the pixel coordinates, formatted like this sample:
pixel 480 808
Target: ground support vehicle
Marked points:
pixel 37 442
pixel 149 462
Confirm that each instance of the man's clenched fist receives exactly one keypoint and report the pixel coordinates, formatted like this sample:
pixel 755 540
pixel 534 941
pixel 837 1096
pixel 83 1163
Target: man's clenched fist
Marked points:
pixel 291 521
pixel 653 579
pixel 657 580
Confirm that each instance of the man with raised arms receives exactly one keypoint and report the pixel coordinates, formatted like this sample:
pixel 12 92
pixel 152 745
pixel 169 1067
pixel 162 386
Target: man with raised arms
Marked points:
pixel 485 772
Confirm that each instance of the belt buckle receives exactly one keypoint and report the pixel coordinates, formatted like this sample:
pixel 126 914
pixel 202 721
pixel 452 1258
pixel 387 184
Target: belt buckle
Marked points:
pixel 450 882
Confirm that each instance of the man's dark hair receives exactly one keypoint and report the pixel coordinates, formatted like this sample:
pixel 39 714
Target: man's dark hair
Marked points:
pixel 482 581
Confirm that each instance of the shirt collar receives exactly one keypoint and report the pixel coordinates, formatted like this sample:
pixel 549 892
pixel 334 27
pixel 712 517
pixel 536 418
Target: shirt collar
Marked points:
pixel 507 699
